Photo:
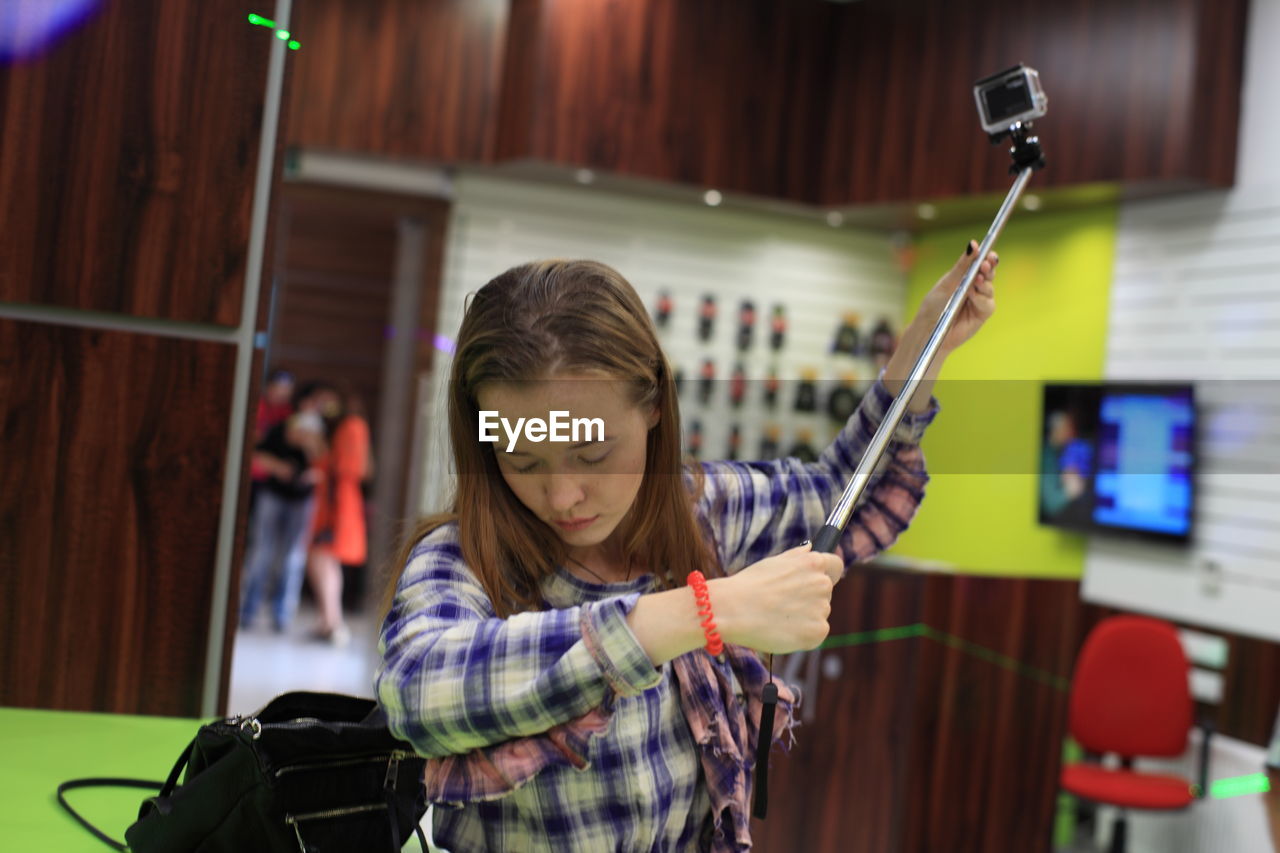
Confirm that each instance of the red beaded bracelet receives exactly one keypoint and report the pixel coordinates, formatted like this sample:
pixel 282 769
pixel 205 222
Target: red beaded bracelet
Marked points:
pixel 699 585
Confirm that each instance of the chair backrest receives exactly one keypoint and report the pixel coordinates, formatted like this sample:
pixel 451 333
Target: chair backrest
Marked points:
pixel 1129 693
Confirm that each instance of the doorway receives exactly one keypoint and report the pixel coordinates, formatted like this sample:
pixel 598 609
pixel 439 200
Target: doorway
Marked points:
pixel 355 289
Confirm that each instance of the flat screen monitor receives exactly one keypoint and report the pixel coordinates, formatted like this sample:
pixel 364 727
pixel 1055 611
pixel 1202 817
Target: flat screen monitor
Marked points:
pixel 1119 458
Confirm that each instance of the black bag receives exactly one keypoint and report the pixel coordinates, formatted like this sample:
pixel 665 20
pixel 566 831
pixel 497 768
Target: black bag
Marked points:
pixel 310 772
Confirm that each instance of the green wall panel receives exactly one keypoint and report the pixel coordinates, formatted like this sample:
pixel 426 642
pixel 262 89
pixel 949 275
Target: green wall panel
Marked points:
pixel 1052 295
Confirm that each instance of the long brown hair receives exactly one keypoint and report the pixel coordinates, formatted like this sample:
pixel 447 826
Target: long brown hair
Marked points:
pixel 532 322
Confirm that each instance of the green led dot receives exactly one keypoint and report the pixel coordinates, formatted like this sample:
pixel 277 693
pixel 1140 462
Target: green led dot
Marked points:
pixel 283 35
pixel 293 45
pixel 254 19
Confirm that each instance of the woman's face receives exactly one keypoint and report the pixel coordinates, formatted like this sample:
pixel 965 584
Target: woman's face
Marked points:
pixel 582 488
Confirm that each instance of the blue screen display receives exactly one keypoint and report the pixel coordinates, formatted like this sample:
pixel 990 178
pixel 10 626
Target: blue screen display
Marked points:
pixel 1119 457
pixel 1143 480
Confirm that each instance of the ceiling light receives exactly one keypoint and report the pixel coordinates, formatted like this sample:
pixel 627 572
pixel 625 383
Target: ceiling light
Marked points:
pixel 927 211
pixel 835 218
pixel 712 197
pixel 1032 202
pixel 584 176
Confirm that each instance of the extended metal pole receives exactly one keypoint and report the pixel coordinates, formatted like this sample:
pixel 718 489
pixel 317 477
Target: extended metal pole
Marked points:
pixel 829 536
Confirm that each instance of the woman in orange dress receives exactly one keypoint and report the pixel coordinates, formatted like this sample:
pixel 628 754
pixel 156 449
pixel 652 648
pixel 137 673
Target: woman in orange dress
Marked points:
pixel 339 535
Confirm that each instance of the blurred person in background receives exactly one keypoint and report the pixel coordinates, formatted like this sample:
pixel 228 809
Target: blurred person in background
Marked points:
pixel 279 524
pixel 274 406
pixel 338 532
pixel 276 403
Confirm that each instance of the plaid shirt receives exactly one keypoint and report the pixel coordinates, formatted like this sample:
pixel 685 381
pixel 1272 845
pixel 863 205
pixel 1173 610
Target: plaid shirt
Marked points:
pixel 553 731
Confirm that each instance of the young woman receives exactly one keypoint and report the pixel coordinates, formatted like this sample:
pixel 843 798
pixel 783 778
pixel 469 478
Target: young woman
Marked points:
pixel 543 645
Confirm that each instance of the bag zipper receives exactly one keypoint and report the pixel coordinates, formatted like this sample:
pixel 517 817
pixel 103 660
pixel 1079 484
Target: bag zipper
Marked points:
pixel 255 726
pixel 331 813
pixel 392 758
pixel 240 720
pixel 296 820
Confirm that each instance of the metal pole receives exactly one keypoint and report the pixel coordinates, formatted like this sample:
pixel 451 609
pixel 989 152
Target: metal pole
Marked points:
pixel 222 592
pixel 829 536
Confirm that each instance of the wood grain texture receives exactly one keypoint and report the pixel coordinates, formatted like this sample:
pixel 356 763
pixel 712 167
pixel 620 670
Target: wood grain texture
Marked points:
pixel 921 746
pixel 400 78
pixel 810 101
pixel 1220 39
pixel 715 93
pixel 113 446
pixel 872 102
pixel 985 752
pixel 1123 78
pixel 127 162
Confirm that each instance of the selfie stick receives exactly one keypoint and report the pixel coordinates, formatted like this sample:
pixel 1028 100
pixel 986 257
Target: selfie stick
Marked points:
pixel 1027 158
pixel 1006 103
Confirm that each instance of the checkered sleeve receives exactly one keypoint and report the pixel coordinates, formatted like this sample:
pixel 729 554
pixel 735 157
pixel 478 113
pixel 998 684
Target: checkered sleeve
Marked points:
pixel 453 677
pixel 758 509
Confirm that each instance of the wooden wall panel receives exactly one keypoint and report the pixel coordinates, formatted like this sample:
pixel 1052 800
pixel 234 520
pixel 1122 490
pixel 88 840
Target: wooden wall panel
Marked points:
pixel 810 101
pixel 718 93
pixel 918 745
pixel 1220 39
pixel 872 102
pixel 1123 80
pixel 398 78
pixel 109 497
pixel 127 162
pixel 983 760
pixel 842 786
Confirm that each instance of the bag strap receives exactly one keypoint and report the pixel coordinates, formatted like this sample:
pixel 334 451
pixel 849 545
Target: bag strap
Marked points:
pixel 172 782
pixel 166 788
pixel 393 812
pixel 101 782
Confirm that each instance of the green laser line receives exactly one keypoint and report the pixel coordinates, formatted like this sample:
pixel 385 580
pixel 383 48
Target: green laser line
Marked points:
pixel 1237 786
pixel 1000 660
pixel 283 35
pixel 920 629
pixel 881 635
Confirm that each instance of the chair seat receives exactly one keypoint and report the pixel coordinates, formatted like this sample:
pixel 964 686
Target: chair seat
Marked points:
pixel 1126 788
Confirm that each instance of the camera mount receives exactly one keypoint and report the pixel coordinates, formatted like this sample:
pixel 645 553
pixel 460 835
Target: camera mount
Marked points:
pixel 1026 152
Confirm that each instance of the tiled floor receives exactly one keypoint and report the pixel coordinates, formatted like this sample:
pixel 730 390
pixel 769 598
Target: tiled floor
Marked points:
pixel 266 664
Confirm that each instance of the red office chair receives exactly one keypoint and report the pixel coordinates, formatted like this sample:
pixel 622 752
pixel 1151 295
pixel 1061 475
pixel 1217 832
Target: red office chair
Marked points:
pixel 1129 696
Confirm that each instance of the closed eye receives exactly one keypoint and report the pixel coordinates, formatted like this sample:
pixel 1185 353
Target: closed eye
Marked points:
pixel 522 469
pixel 596 461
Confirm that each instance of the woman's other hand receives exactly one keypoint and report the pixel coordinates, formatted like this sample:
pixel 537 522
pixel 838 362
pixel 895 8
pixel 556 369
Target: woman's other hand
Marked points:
pixel 978 307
